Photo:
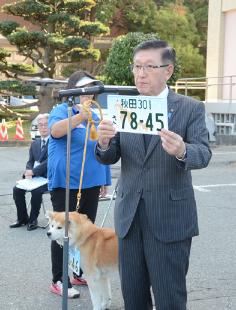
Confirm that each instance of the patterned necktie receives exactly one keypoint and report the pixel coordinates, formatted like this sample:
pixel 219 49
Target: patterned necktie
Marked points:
pixel 43 145
pixel 147 139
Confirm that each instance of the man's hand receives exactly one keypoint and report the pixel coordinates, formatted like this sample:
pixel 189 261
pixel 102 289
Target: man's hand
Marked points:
pixel 172 143
pixel 106 131
pixel 28 173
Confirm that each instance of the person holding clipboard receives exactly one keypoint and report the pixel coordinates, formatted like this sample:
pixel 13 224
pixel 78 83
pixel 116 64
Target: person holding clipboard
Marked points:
pixel 36 166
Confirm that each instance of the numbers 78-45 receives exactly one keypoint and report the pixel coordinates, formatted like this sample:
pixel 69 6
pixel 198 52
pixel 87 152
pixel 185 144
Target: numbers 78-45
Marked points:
pixel 133 122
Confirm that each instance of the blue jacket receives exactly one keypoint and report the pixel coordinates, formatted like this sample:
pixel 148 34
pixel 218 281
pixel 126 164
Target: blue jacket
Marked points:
pixel 95 173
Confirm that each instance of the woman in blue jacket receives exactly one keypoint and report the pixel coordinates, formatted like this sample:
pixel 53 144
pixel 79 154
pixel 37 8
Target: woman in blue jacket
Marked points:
pixel 95 177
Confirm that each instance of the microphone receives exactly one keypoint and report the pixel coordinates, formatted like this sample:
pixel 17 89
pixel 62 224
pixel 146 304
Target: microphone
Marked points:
pixel 81 91
pixel 99 89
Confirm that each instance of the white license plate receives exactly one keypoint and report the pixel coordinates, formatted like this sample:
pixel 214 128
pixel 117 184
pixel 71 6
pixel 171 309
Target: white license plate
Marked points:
pixel 138 114
pixel 74 260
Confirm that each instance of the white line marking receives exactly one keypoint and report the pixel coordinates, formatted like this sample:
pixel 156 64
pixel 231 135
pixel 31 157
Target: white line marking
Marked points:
pixel 223 153
pixel 217 185
pixel 203 188
pixel 200 189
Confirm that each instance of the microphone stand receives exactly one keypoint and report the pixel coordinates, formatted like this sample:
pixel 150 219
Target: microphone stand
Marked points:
pixel 66 238
pixel 70 93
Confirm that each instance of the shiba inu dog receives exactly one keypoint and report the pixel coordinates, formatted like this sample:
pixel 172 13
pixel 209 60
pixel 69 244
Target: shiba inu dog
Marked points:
pixel 98 250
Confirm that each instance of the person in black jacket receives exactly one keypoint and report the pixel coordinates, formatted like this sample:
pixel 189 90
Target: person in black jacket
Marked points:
pixel 36 166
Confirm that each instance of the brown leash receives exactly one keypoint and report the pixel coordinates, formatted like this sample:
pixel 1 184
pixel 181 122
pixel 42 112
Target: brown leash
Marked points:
pixel 93 136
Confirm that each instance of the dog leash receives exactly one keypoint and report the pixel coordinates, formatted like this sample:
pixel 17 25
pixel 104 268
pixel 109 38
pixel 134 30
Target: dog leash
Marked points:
pixel 93 136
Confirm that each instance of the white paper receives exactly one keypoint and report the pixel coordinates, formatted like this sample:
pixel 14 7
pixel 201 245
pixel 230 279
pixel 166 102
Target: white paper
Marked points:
pixel 30 184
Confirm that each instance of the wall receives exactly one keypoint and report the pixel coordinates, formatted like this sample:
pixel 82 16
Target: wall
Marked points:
pixel 229 60
pixel 221 43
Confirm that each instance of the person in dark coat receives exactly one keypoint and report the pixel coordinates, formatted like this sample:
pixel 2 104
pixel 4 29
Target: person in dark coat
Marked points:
pixel 36 166
pixel 155 212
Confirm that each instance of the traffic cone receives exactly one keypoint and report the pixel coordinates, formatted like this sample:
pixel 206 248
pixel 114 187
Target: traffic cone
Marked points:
pixel 3 131
pixel 19 130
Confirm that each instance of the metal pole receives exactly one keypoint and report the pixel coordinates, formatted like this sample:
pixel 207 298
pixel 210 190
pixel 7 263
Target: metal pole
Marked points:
pixel 186 89
pixel 66 238
pixel 206 90
pixel 111 200
pixel 231 89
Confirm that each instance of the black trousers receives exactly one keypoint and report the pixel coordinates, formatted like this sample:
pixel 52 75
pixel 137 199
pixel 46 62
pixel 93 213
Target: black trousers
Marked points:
pixel 162 266
pixel 36 200
pixel 88 205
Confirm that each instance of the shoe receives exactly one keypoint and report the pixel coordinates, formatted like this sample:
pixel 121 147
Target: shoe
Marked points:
pixel 57 288
pixel 19 223
pixel 78 281
pixel 32 225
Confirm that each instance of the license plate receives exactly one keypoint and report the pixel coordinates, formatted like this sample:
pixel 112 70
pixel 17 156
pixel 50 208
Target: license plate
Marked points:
pixel 138 114
pixel 74 260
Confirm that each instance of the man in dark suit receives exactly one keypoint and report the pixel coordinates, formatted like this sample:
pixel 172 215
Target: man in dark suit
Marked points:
pixel 155 211
pixel 36 166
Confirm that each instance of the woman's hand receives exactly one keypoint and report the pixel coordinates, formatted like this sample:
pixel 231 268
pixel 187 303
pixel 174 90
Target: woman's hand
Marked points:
pixel 103 191
pixel 84 112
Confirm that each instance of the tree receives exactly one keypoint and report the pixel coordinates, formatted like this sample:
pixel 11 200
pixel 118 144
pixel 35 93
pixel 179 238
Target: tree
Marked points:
pixel 182 34
pixel 191 61
pixel 199 8
pixel 176 26
pixel 117 69
pixel 125 16
pixel 64 35
pixel 174 22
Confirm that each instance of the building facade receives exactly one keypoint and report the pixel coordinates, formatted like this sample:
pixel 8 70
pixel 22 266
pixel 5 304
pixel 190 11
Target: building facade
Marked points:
pixel 221 65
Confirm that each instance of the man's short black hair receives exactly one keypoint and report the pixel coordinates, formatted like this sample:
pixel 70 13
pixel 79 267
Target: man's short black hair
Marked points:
pixel 168 53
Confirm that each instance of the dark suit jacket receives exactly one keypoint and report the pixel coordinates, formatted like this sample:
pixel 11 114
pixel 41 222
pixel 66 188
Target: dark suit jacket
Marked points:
pixel 35 154
pixel 164 182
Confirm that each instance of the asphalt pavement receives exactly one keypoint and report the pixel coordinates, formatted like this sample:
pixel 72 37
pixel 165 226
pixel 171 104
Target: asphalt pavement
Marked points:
pixel 25 269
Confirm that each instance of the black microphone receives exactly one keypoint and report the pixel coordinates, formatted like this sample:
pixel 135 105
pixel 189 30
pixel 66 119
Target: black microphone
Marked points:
pixel 99 89
pixel 81 91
